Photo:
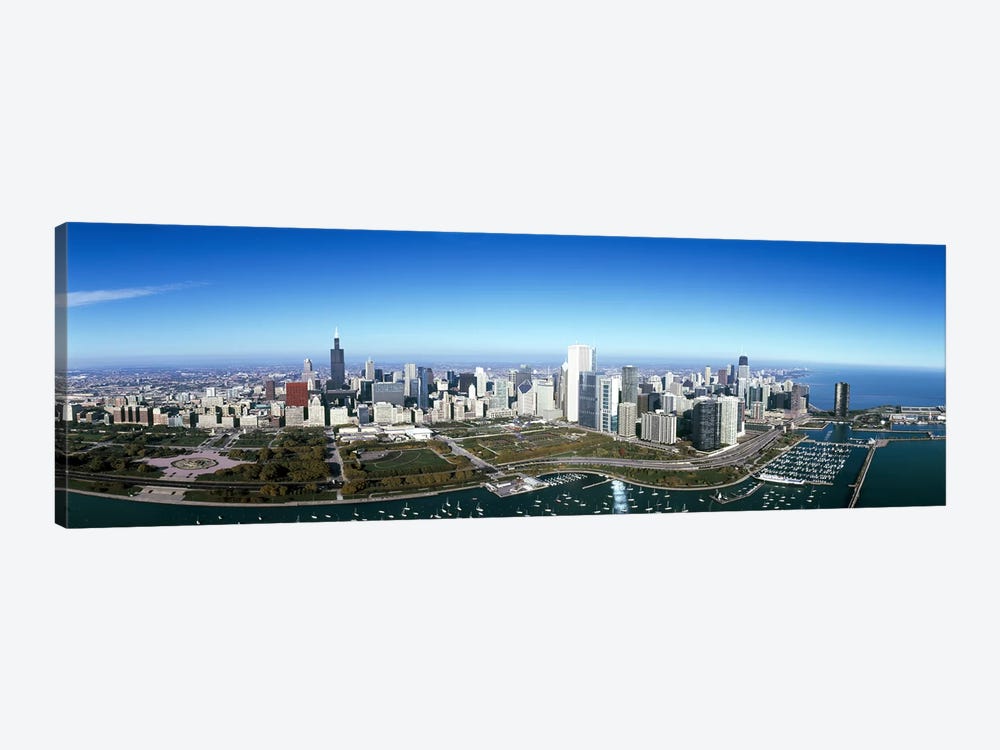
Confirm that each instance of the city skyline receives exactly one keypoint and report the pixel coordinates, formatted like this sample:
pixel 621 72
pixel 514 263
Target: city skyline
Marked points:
pixel 148 294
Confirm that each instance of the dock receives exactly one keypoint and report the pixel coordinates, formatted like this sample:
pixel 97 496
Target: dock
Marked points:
pixel 864 471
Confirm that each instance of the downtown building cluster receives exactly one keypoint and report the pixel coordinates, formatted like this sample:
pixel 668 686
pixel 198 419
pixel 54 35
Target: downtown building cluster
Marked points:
pixel 710 407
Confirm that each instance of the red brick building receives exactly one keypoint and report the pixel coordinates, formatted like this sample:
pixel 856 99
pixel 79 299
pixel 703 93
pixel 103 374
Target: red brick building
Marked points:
pixel 297 394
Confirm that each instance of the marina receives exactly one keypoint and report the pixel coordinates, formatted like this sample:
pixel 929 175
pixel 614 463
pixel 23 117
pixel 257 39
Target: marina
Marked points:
pixel 809 463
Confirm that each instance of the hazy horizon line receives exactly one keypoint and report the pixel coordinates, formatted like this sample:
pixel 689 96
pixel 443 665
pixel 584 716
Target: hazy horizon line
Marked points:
pixel 166 361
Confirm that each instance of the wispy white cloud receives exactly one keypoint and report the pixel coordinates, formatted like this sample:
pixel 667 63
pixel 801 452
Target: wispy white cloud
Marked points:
pixel 78 299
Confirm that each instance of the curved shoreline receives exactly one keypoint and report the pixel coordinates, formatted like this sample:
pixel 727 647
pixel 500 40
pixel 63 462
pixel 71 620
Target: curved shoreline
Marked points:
pixel 408 496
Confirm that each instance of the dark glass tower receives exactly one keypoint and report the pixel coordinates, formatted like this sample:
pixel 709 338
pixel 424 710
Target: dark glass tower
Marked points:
pixel 588 412
pixel 424 376
pixel 841 400
pixel 337 377
pixel 705 419
pixel 630 384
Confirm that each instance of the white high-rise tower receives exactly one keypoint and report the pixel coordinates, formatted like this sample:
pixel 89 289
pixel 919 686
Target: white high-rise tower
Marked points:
pixel 580 358
pixel 729 415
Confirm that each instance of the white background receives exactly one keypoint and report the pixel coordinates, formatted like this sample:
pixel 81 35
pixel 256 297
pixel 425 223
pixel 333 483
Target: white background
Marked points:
pixel 868 121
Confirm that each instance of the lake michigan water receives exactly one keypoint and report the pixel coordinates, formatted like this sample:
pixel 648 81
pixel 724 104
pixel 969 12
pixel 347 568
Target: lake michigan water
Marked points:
pixel 875 386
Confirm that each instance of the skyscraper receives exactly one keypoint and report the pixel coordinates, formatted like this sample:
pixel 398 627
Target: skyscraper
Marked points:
pixel 521 375
pixel 705 424
pixel 608 397
pixel 841 400
pixel 527 398
pixel 501 393
pixel 309 375
pixel 659 428
pixel 296 394
pixel 630 384
pixel 369 369
pixel 627 414
pixel 391 393
pixel 798 403
pixel 409 375
pixel 424 375
pixel 465 379
pixel 729 419
pixel 337 378
pixel 580 358
pixel 587 412
pixel 743 379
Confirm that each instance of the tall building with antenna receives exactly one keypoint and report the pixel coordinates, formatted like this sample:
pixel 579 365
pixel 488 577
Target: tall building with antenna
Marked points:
pixel 337 377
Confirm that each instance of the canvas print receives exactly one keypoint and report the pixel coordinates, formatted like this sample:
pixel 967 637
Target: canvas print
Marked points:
pixel 222 375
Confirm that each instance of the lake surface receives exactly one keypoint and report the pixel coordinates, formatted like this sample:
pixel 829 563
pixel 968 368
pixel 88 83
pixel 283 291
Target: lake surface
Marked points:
pixel 906 473
pixel 875 386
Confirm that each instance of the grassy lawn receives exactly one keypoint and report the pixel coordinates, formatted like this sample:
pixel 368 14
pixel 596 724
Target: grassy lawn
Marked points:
pixel 176 436
pixel 257 439
pixel 300 437
pixel 395 462
pixel 378 467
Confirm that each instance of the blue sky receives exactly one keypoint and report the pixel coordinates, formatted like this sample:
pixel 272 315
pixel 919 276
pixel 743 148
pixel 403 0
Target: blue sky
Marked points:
pixel 145 293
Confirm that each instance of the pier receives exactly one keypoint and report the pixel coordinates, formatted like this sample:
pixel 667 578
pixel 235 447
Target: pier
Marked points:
pixel 864 471
pixel 725 500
